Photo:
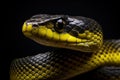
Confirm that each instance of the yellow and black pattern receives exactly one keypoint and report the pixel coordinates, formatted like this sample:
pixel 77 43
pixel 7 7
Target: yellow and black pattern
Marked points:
pixel 79 48
pixel 76 33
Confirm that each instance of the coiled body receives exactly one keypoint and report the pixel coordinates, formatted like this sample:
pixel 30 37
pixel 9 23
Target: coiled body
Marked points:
pixel 85 51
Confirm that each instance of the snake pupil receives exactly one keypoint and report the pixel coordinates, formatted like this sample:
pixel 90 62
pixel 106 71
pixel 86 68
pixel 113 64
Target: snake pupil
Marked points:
pixel 59 25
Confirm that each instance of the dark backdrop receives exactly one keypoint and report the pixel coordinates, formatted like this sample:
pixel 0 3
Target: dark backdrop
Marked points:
pixel 15 45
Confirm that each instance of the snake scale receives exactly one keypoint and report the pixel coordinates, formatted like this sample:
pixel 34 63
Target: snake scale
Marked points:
pixel 78 45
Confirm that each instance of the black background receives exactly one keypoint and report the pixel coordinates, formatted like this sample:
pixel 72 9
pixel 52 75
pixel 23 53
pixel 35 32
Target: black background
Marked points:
pixel 14 44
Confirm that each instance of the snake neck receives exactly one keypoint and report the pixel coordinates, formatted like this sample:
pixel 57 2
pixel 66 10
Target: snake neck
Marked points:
pixel 109 54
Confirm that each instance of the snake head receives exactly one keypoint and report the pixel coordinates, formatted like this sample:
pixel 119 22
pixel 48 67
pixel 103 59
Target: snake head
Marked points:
pixel 63 31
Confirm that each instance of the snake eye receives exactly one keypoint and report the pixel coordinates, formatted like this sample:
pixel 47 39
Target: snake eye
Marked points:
pixel 59 26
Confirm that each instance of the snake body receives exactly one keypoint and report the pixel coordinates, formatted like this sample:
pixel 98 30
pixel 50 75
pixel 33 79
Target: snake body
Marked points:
pixel 78 48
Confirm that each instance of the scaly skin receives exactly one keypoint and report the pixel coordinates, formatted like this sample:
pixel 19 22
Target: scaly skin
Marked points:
pixel 83 49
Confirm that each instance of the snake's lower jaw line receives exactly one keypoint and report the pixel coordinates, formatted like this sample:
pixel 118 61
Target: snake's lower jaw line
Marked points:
pixel 88 48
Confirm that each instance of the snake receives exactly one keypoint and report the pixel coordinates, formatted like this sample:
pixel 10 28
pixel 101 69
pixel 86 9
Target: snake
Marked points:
pixel 78 48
